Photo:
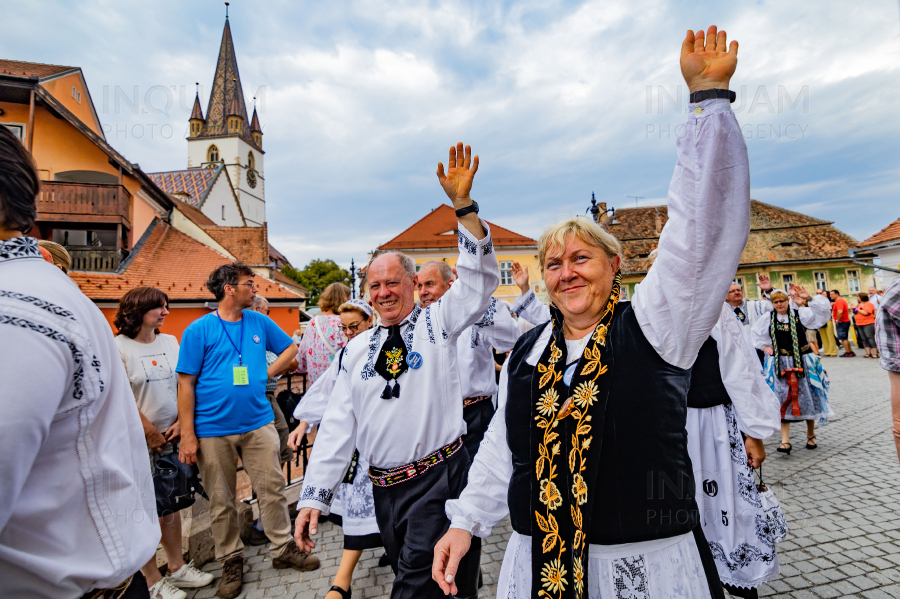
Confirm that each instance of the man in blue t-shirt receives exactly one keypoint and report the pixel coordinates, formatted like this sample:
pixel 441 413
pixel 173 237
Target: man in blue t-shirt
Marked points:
pixel 224 414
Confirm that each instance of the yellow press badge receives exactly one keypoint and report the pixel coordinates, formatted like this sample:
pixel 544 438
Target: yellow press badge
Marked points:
pixel 241 376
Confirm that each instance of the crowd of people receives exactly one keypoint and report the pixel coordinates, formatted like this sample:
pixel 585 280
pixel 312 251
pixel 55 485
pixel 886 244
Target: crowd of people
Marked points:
pixel 620 438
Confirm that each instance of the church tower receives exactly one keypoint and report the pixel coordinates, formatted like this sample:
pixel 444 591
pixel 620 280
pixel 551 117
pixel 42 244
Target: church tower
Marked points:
pixel 226 136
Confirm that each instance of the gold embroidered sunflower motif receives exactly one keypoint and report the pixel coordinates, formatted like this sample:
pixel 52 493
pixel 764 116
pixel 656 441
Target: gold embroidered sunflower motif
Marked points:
pixel 585 394
pixel 555 355
pixel 553 576
pixel 550 495
pixel 547 404
pixel 600 334
pixel 578 575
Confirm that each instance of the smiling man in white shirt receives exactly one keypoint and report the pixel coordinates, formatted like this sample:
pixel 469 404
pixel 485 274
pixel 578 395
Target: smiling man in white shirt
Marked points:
pixel 397 398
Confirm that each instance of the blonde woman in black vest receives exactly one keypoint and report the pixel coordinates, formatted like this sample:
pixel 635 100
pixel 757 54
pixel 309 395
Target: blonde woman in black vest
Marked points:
pixel 588 450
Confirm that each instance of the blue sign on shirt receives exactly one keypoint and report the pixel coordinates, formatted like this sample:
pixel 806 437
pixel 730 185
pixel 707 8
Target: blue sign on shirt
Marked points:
pixel 223 408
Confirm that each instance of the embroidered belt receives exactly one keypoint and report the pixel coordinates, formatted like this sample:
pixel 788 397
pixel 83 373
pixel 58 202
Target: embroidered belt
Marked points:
pixel 803 350
pixel 388 478
pixel 470 401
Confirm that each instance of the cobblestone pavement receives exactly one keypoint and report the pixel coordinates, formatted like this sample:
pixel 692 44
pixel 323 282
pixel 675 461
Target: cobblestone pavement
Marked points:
pixel 841 501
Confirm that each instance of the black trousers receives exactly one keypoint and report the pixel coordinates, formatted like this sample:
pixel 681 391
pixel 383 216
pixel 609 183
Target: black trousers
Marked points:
pixel 478 417
pixel 412 520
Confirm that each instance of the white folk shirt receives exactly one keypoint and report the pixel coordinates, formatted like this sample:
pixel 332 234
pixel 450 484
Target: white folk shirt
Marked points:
pixel 813 316
pixel 495 330
pixel 477 376
pixel 677 304
pixel 755 405
pixel 77 508
pixel 428 413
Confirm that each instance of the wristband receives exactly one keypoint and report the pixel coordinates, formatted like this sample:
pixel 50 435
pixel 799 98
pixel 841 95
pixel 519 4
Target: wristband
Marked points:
pixel 706 94
pixel 473 207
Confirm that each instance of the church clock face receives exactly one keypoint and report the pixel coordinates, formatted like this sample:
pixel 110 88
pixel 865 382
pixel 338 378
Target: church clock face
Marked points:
pixel 251 178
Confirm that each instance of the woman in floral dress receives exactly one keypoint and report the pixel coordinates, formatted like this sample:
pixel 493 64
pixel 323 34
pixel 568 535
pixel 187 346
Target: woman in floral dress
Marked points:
pixel 323 338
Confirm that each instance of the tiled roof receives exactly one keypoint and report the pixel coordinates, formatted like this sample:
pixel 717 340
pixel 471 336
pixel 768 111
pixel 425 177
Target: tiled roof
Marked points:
pixel 286 280
pixel 248 244
pixel 254 122
pixel 277 257
pixel 776 235
pixel 31 69
pixel 193 214
pixel 192 184
pixel 889 233
pixel 197 112
pixel 438 230
pixel 171 261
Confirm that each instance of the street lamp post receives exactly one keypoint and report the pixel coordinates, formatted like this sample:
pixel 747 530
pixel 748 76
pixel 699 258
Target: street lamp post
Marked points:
pixel 595 210
pixel 352 279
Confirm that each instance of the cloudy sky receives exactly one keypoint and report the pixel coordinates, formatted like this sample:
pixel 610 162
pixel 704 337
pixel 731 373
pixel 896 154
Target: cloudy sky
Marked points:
pixel 359 100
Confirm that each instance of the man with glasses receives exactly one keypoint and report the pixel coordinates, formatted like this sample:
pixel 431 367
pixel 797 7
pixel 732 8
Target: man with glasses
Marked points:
pixel 225 415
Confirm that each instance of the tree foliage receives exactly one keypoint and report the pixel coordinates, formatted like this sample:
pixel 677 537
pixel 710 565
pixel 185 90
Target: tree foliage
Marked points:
pixel 316 276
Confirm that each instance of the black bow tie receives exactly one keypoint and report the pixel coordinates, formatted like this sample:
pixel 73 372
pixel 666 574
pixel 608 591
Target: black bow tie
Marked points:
pixel 391 362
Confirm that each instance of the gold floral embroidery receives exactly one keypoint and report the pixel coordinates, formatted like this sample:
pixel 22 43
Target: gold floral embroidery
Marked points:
pixel 578 575
pixel 553 576
pixel 547 404
pixel 553 573
pixel 550 495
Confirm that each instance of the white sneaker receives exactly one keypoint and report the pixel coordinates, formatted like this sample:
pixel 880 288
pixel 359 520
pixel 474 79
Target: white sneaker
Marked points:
pixel 164 590
pixel 189 577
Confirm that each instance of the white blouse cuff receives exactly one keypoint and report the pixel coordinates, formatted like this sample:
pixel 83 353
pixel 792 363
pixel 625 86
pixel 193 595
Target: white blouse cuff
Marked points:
pixel 464 517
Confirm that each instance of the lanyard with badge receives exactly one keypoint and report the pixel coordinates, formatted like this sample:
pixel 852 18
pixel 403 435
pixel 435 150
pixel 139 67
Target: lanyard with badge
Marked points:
pixel 239 371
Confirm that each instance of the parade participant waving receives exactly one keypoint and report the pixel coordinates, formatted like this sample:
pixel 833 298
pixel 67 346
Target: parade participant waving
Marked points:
pixel 397 398
pixel 792 370
pixel 597 398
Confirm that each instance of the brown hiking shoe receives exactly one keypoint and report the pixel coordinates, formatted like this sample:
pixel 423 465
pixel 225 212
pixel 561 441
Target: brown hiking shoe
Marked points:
pixel 232 578
pixel 296 559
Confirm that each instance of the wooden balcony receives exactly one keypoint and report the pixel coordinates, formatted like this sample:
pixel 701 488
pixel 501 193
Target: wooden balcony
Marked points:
pixel 93 259
pixel 83 202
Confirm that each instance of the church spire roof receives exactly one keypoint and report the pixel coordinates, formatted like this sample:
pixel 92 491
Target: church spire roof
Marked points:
pixel 227 96
pixel 254 122
pixel 197 112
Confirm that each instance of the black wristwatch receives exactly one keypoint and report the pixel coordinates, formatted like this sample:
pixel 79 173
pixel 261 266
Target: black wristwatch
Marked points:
pixel 706 94
pixel 473 207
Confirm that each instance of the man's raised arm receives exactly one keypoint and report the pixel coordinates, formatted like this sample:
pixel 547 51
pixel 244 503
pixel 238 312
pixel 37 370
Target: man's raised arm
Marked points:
pixel 477 269
pixel 679 301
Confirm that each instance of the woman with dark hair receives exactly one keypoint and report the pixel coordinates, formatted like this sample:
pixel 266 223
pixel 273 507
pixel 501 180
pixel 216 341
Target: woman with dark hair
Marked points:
pixel 150 358
pixel 865 324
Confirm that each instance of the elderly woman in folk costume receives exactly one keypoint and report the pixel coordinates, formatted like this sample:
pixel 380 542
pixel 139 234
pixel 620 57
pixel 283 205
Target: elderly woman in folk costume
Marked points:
pixel 792 369
pixel 589 439
pixel 354 507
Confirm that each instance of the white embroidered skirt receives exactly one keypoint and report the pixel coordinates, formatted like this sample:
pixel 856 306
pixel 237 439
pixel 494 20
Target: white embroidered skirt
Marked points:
pixel 663 569
pixel 354 503
pixel 740 526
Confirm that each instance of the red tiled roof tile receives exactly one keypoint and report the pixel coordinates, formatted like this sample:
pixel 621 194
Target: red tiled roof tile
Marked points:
pixel 247 244
pixel 161 262
pixel 889 233
pixel 438 230
pixel 190 185
pixel 30 69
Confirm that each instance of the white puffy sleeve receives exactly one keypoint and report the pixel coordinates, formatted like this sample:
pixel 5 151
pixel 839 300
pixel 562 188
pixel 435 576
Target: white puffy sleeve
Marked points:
pixel 755 405
pixel 311 408
pixel 482 504
pixel 679 301
pixel 529 307
pixel 478 277
pixel 760 332
pixel 816 314
pixel 498 327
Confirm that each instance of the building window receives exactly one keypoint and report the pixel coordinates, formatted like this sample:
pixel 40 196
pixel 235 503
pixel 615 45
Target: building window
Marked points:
pixel 223 212
pixel 787 280
pixel 623 293
pixel 251 161
pixel 821 279
pixel 18 129
pixel 506 277
pixel 853 281
pixel 212 154
pixel 78 98
pixel 73 91
pixel 739 281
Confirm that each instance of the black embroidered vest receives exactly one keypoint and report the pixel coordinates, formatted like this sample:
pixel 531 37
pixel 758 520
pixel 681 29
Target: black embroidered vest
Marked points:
pixel 645 483
pixel 707 389
pixel 783 336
